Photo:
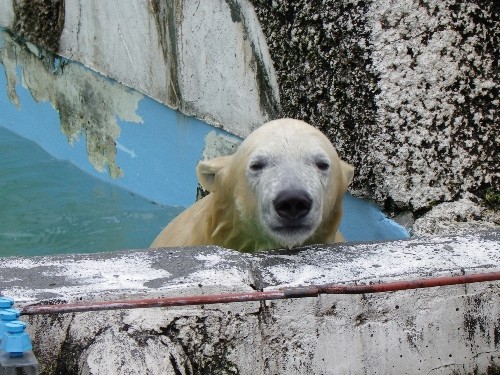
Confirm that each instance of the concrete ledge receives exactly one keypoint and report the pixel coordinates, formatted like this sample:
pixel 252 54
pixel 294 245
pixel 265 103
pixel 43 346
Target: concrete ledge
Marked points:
pixel 441 330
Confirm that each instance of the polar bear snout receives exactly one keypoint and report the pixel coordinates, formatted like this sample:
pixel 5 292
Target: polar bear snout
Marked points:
pixel 292 216
pixel 293 204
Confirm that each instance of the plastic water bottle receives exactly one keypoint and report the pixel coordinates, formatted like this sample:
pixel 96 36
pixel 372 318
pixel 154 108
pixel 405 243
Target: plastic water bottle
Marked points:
pixel 5 305
pixel 16 356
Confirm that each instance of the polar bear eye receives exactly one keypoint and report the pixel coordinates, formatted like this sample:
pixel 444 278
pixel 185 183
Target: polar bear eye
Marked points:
pixel 322 165
pixel 257 166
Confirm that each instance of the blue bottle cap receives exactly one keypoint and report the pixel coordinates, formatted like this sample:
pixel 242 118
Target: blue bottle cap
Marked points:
pixel 6 302
pixel 9 314
pixel 15 326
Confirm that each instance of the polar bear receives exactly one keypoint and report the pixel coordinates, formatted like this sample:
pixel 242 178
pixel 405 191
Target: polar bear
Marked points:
pixel 282 188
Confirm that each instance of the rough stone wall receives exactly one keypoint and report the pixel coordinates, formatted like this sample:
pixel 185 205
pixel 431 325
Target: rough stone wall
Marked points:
pixel 407 90
pixel 438 74
pixel 448 333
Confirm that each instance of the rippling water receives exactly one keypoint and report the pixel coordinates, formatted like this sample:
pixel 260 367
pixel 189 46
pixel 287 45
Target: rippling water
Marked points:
pixel 48 206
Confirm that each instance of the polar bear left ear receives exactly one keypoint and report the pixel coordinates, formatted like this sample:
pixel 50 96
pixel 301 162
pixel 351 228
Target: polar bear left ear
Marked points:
pixel 207 171
pixel 347 175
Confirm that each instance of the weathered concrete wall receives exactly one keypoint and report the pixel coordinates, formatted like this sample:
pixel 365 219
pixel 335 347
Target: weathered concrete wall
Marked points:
pixel 217 71
pixel 443 330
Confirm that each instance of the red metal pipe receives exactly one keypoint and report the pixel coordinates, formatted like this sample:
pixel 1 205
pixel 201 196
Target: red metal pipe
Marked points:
pixel 412 284
pixel 284 293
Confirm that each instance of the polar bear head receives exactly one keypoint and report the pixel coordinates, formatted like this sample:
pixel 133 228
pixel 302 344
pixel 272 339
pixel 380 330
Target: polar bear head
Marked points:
pixel 283 187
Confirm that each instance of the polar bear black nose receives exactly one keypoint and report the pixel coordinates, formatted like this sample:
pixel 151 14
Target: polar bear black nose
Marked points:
pixel 292 204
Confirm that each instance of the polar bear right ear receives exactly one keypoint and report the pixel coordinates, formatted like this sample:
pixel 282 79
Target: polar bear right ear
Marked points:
pixel 347 171
pixel 207 171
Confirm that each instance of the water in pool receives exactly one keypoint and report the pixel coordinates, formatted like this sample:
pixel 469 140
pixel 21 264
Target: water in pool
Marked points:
pixel 49 206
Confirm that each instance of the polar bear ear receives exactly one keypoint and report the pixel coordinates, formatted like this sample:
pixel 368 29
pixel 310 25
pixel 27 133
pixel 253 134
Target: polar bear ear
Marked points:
pixel 207 171
pixel 347 171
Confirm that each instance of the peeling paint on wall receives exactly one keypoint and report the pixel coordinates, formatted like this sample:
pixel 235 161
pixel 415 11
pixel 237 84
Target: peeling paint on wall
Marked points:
pixel 219 145
pixel 88 104
pixel 227 76
pixel 9 60
pixel 269 99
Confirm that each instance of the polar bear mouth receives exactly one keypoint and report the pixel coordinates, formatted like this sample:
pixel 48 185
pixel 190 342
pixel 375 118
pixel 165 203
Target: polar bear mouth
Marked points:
pixel 292 228
pixel 291 235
